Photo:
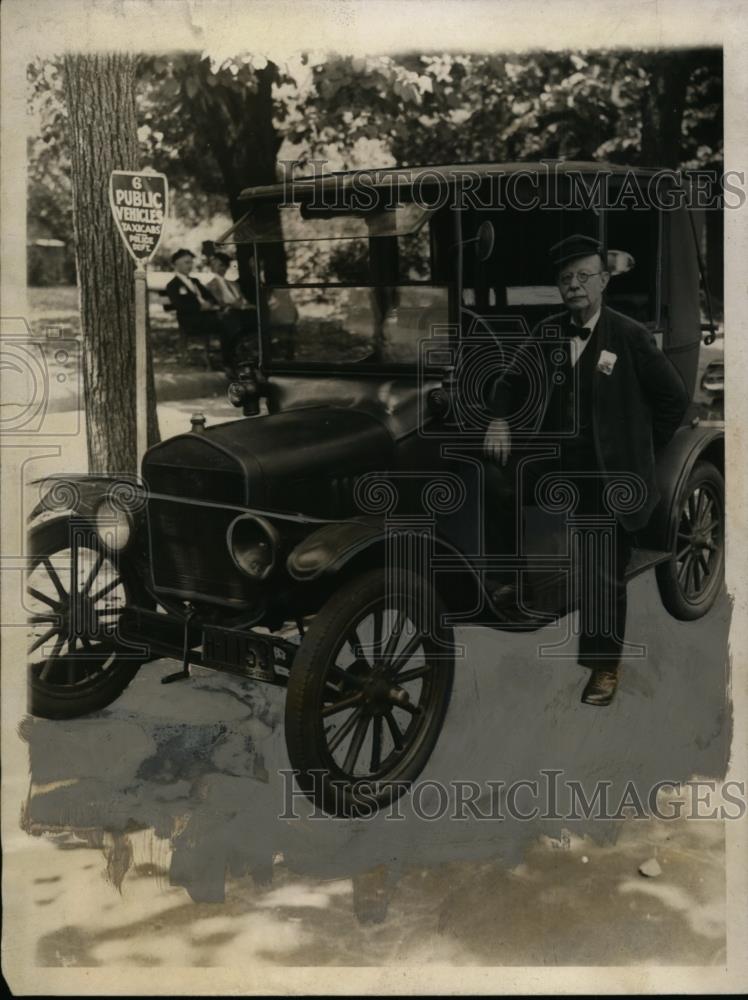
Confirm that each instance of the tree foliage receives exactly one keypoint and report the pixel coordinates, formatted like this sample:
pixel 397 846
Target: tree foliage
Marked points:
pixel 218 125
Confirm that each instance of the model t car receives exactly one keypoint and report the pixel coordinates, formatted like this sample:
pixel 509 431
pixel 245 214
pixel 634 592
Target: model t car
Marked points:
pixel 331 539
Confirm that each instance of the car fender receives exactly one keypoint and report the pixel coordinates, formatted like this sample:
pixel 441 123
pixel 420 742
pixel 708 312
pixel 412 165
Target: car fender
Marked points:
pixel 675 463
pixel 329 548
pixel 79 495
pixel 333 548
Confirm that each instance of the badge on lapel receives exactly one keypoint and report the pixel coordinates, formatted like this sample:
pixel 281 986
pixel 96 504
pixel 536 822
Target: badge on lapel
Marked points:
pixel 182 291
pixel 606 362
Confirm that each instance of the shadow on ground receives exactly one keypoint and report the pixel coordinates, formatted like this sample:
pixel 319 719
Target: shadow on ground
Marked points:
pixel 179 788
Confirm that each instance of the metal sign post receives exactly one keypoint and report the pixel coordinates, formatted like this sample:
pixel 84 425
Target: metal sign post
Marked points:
pixel 139 204
pixel 141 361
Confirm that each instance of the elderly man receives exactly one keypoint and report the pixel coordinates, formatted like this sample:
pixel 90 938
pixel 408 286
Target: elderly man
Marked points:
pixel 611 401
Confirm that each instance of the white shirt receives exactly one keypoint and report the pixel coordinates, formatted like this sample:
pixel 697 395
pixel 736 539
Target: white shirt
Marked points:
pixel 578 344
pixel 191 285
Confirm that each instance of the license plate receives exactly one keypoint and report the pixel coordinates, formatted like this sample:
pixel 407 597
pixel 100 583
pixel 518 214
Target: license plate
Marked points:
pixel 239 653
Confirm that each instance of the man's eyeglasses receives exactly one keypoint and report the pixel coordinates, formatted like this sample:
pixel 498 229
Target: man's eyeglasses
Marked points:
pixel 568 276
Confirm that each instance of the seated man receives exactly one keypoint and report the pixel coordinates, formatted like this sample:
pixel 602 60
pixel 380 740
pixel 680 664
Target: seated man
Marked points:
pixel 198 312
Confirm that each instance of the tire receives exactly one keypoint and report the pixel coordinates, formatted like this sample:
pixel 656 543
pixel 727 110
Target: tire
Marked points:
pixel 691 580
pixel 380 691
pixel 80 673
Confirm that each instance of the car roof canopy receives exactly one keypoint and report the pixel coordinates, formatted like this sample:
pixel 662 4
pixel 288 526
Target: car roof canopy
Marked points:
pixel 299 188
pixel 305 222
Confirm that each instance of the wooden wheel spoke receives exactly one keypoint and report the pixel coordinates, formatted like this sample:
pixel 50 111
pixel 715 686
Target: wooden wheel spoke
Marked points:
pixel 414 674
pixel 700 504
pixel 340 706
pixel 681 554
pixel 696 575
pixel 402 658
pixel 684 570
pixel 703 563
pixel 106 588
pixel 44 598
pixel 354 641
pixel 42 639
pixel 45 670
pixel 692 509
pixel 395 731
pixel 53 575
pixel 44 619
pixel 346 676
pixel 58 647
pixel 376 744
pixel 411 709
pixel 344 730
pixel 356 743
pixel 397 631
pixel 377 646
pixel 93 574
pixel 706 509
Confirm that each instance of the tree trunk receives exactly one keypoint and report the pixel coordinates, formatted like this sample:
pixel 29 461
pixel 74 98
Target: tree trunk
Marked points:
pixel 663 104
pixel 100 98
pixel 242 137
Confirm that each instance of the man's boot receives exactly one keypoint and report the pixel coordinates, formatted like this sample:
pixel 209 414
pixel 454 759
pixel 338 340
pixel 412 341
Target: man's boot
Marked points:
pixel 600 688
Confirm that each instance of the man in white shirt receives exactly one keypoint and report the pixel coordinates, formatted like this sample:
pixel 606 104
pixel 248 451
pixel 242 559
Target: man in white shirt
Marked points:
pixel 609 401
pixel 198 312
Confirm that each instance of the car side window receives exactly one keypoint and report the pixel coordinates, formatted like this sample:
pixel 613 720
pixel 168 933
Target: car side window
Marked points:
pixel 635 293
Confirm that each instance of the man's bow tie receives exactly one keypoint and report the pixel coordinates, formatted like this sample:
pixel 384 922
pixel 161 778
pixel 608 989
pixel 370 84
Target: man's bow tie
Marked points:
pixel 579 331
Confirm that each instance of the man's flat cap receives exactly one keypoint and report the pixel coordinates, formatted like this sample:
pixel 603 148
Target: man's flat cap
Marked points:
pixel 574 246
pixel 181 253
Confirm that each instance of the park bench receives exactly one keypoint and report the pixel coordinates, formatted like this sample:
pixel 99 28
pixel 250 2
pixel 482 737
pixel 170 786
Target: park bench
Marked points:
pixel 184 336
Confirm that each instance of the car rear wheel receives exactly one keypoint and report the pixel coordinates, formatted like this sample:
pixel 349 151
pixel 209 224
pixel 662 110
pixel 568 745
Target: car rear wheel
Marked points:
pixel 368 692
pixel 75 596
pixel 691 580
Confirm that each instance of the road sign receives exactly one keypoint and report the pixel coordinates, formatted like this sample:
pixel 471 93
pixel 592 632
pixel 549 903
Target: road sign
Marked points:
pixel 139 205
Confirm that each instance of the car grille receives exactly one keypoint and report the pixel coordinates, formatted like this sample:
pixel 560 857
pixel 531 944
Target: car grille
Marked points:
pixel 189 467
pixel 189 551
pixel 189 554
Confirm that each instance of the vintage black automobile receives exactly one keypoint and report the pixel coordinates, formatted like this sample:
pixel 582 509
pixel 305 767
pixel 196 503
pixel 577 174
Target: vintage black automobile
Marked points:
pixel 331 539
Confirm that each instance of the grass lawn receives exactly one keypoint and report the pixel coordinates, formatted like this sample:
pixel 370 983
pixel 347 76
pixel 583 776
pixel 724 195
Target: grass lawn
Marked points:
pixel 57 306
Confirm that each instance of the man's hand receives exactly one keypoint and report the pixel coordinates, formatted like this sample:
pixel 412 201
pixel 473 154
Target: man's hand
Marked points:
pixel 498 441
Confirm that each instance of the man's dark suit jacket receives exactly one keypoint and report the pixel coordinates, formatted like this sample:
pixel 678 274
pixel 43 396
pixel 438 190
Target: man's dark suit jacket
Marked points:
pixel 636 408
pixel 185 302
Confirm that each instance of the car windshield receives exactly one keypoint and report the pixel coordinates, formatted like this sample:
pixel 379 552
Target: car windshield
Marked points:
pixel 336 287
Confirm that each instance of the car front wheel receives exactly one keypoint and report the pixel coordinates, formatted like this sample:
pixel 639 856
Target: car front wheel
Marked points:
pixel 76 593
pixel 368 692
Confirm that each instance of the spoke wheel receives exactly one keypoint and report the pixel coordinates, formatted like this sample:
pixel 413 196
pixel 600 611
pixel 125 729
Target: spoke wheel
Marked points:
pixel 367 693
pixel 690 582
pixel 75 595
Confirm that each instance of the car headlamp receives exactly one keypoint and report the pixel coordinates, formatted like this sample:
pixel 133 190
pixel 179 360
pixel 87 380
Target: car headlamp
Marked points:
pixel 114 526
pixel 253 543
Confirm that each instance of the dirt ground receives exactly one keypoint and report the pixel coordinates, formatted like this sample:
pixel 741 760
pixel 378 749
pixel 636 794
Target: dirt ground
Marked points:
pixel 570 902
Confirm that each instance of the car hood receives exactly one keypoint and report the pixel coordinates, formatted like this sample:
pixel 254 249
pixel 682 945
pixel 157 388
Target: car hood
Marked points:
pixel 302 460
